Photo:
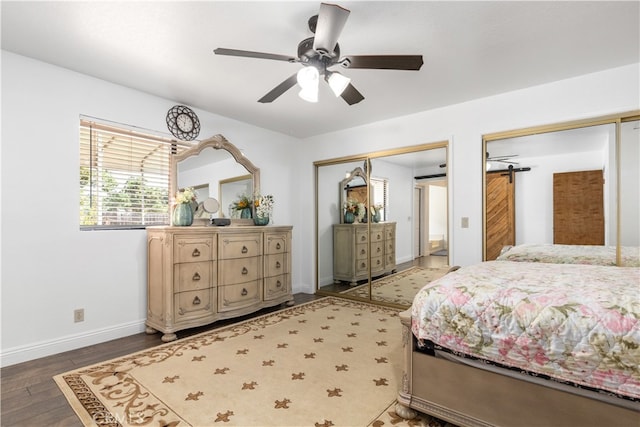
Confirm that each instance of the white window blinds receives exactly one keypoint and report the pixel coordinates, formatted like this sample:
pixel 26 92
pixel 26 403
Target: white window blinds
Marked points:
pixel 124 177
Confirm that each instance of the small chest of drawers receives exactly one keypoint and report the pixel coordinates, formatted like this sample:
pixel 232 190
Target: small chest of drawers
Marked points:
pixel 197 275
pixel 360 247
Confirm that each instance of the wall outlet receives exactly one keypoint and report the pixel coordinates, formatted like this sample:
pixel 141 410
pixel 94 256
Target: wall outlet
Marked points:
pixel 78 315
pixel 464 223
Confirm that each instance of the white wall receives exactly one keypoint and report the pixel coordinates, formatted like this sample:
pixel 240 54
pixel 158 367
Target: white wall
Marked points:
pixel 49 267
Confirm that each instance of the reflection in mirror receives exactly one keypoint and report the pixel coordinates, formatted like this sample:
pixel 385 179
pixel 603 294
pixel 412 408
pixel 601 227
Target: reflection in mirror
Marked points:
pixel 554 187
pixel 231 190
pixel 401 248
pixel 209 163
pixel 412 189
pixel 330 182
pixel 629 194
pixel 577 182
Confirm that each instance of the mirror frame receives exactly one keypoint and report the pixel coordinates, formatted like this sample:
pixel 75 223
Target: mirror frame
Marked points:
pixel 615 119
pixel 367 157
pixel 357 172
pixel 217 142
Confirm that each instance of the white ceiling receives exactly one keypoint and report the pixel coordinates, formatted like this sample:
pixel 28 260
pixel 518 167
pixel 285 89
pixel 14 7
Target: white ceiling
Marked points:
pixel 470 49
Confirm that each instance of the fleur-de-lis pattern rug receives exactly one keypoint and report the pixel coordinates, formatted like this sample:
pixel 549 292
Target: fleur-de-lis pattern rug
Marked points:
pixel 329 362
pixel 398 288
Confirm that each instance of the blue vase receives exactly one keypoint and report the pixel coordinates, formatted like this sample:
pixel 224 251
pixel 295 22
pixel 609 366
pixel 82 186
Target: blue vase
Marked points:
pixel 376 217
pixel 261 220
pixel 349 217
pixel 245 213
pixel 182 214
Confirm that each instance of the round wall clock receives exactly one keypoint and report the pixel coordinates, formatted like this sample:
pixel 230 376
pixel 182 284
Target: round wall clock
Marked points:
pixel 183 123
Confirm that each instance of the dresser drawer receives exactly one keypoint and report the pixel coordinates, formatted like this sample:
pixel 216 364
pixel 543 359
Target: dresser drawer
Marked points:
pixel 362 267
pixel 194 304
pixel 377 249
pixel 362 236
pixel 362 251
pixel 191 276
pixel 275 265
pixel 193 249
pixel 377 264
pixel 276 243
pixel 239 270
pixel 240 246
pixel 390 261
pixel 390 232
pixel 232 297
pixel 276 286
pixel 377 235
pixel 390 246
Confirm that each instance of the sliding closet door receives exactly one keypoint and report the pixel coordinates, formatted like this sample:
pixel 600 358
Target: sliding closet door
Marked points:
pixel 578 208
pixel 501 217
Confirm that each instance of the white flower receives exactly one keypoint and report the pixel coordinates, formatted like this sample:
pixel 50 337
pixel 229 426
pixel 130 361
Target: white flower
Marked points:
pixel 263 205
pixel 186 195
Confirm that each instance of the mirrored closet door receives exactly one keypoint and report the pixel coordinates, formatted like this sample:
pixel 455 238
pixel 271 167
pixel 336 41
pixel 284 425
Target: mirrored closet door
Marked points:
pixel 382 223
pixel 559 185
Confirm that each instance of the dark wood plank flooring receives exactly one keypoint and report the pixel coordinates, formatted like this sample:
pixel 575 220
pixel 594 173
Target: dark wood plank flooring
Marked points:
pixel 31 398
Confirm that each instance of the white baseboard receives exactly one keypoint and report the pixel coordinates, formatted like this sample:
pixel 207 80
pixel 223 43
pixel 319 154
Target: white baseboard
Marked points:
pixel 25 353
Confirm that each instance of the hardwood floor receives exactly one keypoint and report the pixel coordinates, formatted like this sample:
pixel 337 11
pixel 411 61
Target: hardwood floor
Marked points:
pixel 31 398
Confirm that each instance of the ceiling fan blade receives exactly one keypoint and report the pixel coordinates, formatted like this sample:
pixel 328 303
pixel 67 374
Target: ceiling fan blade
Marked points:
pixel 251 54
pixel 384 62
pixel 331 20
pixel 280 89
pixel 351 95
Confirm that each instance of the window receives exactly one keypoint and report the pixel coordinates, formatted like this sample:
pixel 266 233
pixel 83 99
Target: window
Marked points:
pixel 124 177
pixel 379 194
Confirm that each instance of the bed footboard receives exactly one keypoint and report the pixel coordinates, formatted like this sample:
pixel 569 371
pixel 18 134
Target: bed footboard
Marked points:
pixel 468 396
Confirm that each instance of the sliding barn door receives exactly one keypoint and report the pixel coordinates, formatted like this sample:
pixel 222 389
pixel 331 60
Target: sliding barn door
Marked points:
pixel 501 213
pixel 578 208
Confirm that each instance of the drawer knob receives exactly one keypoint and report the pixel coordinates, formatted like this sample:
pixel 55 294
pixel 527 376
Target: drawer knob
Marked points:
pixel 277 264
pixel 244 292
pixel 278 284
pixel 278 245
pixel 363 265
pixel 379 249
pixel 362 252
pixel 196 301
pixel 378 262
pixel 244 249
pixel 244 270
pixel 196 277
pixel 363 238
pixel 195 253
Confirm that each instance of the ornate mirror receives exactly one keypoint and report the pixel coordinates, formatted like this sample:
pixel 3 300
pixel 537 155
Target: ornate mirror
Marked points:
pixel 212 163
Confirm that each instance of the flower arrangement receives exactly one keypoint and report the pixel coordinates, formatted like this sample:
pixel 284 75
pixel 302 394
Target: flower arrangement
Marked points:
pixel 186 195
pixel 263 205
pixel 243 202
pixel 376 208
pixel 352 206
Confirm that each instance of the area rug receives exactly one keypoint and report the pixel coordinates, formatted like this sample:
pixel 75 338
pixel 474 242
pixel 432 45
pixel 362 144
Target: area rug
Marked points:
pixel 398 288
pixel 329 362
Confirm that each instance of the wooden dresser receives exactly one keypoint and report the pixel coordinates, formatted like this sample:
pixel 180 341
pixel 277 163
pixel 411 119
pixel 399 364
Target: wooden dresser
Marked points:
pixel 351 251
pixel 198 275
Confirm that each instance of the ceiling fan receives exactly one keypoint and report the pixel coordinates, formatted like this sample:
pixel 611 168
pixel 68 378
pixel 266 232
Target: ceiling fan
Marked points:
pixel 319 53
pixel 502 159
pixel 499 159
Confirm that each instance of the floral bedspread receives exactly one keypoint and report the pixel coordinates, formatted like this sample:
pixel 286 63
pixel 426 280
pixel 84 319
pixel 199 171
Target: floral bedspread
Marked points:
pixel 576 323
pixel 572 254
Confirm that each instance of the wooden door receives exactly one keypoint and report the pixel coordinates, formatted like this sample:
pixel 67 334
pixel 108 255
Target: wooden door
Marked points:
pixel 578 208
pixel 501 213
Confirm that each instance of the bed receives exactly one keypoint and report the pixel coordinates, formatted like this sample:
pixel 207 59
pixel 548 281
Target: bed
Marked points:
pixel 525 343
pixel 571 254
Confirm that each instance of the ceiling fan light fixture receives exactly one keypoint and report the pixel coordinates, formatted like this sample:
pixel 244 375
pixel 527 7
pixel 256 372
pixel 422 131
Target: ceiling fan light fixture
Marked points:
pixel 337 82
pixel 309 94
pixel 308 77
